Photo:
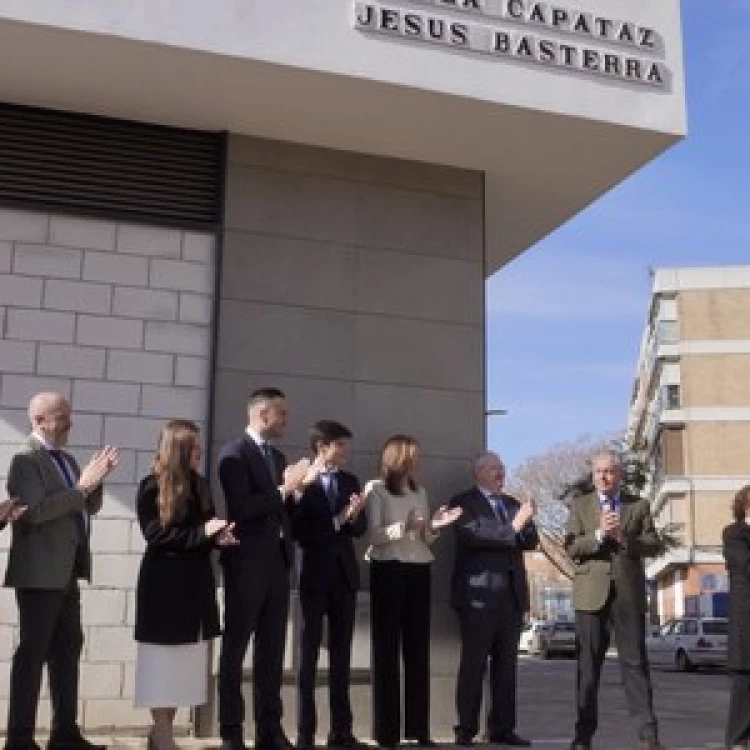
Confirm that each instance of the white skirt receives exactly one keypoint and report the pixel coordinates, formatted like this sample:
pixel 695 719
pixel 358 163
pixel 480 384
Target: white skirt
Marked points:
pixel 171 676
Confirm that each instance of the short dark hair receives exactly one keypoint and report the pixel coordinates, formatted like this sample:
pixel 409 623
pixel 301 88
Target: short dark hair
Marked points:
pixel 740 503
pixel 264 394
pixel 326 431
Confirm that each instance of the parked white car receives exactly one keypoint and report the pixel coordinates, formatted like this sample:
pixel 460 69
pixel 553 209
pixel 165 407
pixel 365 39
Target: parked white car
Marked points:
pixel 530 641
pixel 689 642
pixel 558 639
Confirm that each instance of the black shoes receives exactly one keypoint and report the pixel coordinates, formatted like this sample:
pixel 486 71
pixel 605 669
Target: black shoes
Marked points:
pixel 509 739
pixel 464 739
pixel 305 742
pixel 348 741
pixel 234 743
pixel 27 745
pixel 278 741
pixel 580 745
pixel 72 742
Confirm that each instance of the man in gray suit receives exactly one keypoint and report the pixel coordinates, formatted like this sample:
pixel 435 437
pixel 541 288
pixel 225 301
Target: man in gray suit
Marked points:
pixel 609 533
pixel 49 552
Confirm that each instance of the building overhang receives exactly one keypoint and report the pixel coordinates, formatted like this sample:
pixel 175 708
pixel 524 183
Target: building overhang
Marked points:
pixel 549 141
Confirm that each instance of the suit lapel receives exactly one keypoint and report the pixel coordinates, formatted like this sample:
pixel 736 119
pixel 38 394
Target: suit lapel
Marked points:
pixel 592 511
pixel 627 504
pixel 255 456
pixel 47 465
pixel 482 504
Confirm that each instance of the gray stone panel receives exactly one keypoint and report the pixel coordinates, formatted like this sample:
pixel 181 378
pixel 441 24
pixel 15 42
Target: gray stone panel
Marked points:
pixel 417 286
pixel 352 213
pixel 420 353
pixel 291 157
pixel 283 270
pixel 286 340
pixel 444 421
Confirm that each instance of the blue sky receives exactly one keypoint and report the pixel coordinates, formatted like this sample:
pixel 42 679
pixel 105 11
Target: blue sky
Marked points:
pixel 559 362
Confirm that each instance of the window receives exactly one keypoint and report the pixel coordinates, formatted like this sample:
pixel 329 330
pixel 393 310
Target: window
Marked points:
pixel 691 627
pixel 672 396
pixel 715 627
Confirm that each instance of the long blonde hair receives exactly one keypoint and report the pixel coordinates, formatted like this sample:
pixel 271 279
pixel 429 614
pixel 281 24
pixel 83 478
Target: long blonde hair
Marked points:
pixel 397 463
pixel 172 468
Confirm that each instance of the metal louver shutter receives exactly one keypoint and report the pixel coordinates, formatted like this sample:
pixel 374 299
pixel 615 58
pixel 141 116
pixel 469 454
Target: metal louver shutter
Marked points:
pixel 68 162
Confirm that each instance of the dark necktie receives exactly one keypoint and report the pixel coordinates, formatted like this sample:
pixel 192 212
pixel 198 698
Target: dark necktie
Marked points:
pixel 267 452
pixel 331 488
pixel 498 507
pixel 80 522
pixel 609 503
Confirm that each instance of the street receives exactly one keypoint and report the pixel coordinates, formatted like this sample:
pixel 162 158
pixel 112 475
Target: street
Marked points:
pixel 691 707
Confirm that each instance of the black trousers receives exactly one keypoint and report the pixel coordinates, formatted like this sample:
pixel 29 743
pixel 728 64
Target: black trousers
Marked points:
pixel 738 721
pixel 488 635
pixel 338 605
pixel 51 634
pixel 593 633
pixel 400 620
pixel 256 603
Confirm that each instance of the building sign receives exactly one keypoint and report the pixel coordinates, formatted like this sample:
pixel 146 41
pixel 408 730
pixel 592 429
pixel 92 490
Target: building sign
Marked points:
pixel 522 30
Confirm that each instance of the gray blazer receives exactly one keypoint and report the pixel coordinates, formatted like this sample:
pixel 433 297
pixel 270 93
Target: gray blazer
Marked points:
pixel 43 545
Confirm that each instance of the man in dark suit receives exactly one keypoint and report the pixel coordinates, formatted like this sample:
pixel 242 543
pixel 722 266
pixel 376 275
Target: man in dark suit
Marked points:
pixel 491 595
pixel 608 534
pixel 257 485
pixel 327 518
pixel 49 552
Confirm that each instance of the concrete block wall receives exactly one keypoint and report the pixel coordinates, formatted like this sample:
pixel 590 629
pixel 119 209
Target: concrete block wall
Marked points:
pixel 355 283
pixel 117 317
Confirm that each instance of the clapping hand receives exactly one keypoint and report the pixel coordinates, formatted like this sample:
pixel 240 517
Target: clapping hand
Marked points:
pixel 525 514
pixel 353 508
pixel 102 463
pixel 293 476
pixel 11 510
pixel 445 516
pixel 222 530
pixel 226 537
pixel 414 521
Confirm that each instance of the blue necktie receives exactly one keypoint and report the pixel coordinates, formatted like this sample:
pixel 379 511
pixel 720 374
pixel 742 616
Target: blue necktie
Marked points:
pixel 330 487
pixel 80 522
pixel 498 506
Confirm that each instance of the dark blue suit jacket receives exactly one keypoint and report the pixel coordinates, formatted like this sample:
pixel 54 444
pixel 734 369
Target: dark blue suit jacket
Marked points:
pixel 489 555
pixel 325 551
pixel 253 500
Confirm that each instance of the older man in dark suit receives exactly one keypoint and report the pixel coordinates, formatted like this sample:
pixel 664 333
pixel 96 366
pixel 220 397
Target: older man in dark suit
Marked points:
pixel 491 595
pixel 609 532
pixel 49 552
pixel 257 487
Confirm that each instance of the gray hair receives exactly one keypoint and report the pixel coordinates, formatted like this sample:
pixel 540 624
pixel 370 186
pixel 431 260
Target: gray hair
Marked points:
pixel 482 459
pixel 610 454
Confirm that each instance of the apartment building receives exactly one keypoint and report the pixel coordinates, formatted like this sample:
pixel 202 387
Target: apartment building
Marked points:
pixel 690 415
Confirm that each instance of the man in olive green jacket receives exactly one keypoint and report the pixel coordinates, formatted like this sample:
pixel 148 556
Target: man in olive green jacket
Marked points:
pixel 608 535
pixel 49 552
